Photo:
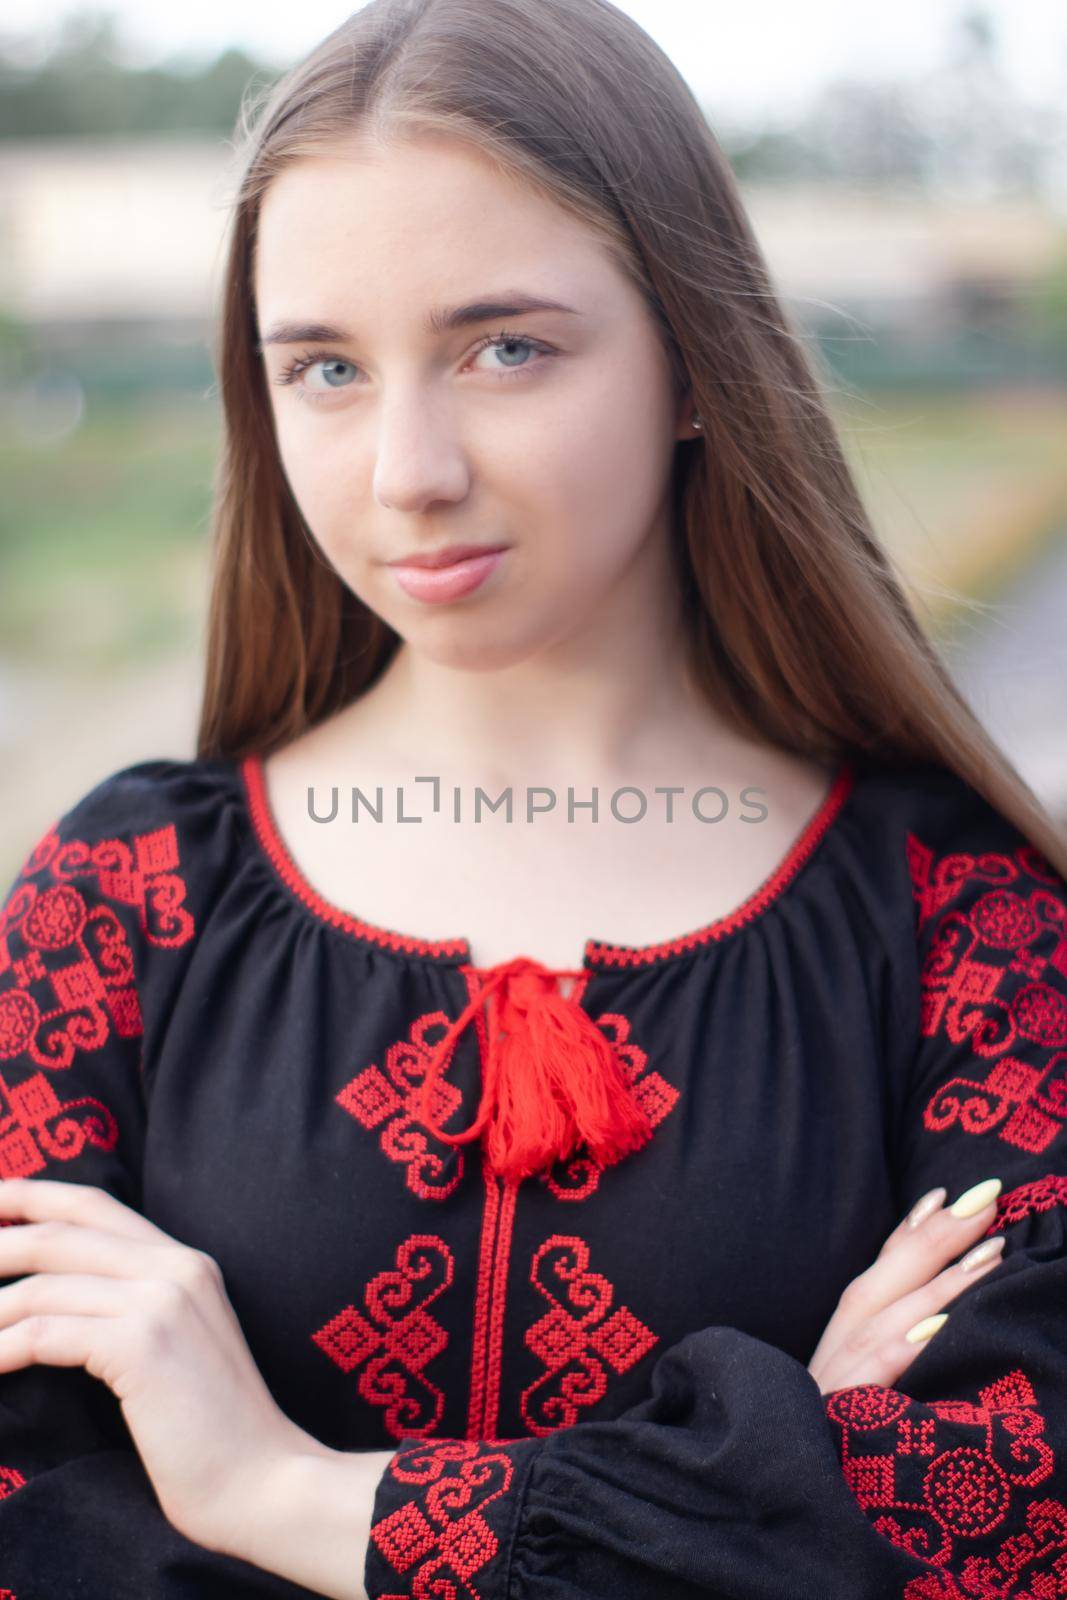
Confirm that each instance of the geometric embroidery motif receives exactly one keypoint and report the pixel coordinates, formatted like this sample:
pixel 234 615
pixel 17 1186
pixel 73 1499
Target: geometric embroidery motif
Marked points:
pixel 443 1534
pixel 994 977
pixel 578 1339
pixel 398 1338
pixel 67 981
pixel 936 1477
pixel 72 981
pixel 390 1099
pixel 10 1480
pixel 578 1177
pixel 26 1138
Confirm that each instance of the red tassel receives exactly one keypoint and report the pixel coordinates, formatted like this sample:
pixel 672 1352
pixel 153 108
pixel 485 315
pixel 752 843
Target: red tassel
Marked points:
pixel 552 1084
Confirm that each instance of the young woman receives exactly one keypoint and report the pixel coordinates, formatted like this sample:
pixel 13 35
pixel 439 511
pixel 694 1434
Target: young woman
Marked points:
pixel 569 1204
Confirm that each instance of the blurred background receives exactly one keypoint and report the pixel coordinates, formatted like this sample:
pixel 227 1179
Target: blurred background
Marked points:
pixel 906 175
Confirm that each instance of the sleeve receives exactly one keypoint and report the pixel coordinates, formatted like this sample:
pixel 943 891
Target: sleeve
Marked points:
pixel 99 904
pixel 736 1477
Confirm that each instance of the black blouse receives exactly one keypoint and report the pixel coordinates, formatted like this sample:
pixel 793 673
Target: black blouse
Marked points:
pixel 594 1377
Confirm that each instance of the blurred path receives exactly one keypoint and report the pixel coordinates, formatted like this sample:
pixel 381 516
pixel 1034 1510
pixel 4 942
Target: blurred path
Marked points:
pixel 1012 667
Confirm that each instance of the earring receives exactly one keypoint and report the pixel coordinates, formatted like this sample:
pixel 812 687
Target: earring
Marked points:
pixel 698 422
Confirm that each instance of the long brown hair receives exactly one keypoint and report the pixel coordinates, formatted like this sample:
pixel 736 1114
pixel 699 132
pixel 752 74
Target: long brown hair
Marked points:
pixel 799 629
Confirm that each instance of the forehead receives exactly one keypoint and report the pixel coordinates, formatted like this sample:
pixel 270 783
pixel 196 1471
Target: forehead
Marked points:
pixel 362 225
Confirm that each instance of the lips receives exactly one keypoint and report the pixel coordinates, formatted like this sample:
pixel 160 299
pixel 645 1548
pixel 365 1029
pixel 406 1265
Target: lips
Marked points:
pixel 447 557
pixel 450 579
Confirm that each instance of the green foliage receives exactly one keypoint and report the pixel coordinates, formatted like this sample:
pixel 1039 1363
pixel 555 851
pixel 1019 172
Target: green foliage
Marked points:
pixel 84 89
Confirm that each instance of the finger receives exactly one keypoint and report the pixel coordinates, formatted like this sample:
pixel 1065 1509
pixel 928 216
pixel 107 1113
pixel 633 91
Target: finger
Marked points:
pixel 912 1256
pixel 910 1259
pixel 41 1199
pixel 941 1291
pixel 66 1247
pixel 880 1351
pixel 54 1341
pixel 66 1294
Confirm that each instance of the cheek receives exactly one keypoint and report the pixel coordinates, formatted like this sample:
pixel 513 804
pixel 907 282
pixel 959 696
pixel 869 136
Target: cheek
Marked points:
pixel 600 491
pixel 322 481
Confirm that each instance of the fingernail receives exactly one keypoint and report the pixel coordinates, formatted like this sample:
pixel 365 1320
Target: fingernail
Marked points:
pixel 922 1208
pixel 976 1199
pixel 926 1328
pixel 983 1252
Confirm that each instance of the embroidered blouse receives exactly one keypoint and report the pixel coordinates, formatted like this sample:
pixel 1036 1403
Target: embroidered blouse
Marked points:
pixel 593 1377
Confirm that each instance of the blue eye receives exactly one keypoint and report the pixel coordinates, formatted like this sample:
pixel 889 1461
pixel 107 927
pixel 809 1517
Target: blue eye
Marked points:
pixel 504 341
pixel 329 365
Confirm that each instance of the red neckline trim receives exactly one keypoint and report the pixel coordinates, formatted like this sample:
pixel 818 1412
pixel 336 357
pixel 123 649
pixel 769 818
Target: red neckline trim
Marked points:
pixel 597 953
pixel 266 829
pixel 622 955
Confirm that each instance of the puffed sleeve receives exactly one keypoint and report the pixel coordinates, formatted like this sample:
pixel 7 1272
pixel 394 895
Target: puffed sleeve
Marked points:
pixel 736 1477
pixel 100 916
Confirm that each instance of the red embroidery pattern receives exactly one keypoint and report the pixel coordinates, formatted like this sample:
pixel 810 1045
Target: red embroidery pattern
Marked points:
pixel 966 996
pixel 1040 1195
pixel 145 877
pixel 443 1533
pixel 27 1140
pixel 10 1480
pixel 578 1177
pixel 932 1494
pixel 390 1100
pixel 577 1349
pixel 266 830
pixel 89 971
pixel 487 1345
pixel 600 953
pixel 401 1339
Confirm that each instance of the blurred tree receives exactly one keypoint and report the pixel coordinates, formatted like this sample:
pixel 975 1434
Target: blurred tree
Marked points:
pixel 83 88
pixel 962 126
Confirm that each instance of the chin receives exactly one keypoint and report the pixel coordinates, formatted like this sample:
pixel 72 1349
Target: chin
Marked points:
pixel 470 644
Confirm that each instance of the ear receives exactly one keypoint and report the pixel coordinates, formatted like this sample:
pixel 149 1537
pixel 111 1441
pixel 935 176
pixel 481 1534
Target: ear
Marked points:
pixel 690 423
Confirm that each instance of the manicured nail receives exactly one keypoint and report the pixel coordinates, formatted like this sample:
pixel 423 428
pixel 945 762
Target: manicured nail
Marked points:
pixel 986 1251
pixel 922 1208
pixel 926 1328
pixel 976 1199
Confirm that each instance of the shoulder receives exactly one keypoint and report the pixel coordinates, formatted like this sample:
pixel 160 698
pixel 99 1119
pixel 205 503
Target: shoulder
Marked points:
pixel 924 813
pixel 914 843
pixel 150 839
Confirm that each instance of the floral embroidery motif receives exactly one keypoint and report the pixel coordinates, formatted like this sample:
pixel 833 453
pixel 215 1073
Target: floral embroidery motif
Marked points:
pixel 965 995
pixel 443 1533
pixel 398 1339
pixel 390 1100
pixel 935 1477
pixel 577 1339
pixel 77 957
pixel 578 1177
pixel 10 1480
pixel 145 877
pixel 27 1140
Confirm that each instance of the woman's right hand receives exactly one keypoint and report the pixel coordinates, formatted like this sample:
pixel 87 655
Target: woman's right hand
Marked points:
pixel 915 1274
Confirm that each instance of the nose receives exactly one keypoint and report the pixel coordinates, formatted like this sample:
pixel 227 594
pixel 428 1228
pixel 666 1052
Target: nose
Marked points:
pixel 420 458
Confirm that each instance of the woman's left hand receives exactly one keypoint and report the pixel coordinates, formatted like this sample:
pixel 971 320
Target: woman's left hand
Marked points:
pixel 107 1290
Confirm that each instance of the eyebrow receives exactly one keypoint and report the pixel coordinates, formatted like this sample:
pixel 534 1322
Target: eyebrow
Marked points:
pixel 442 319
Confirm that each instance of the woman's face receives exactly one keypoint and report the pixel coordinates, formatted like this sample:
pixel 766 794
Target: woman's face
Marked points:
pixel 400 438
